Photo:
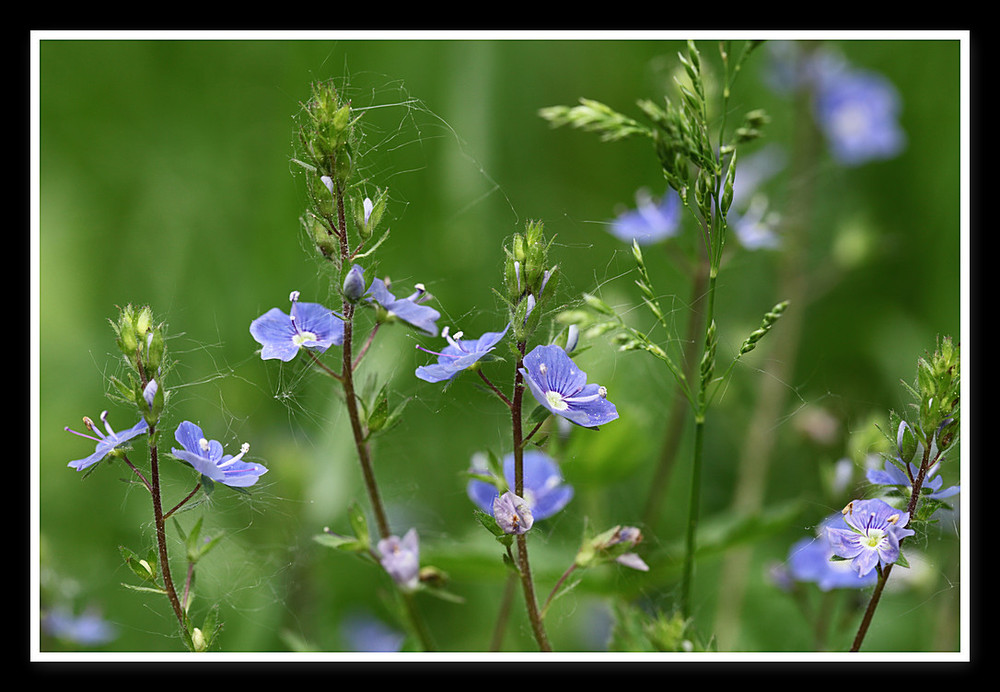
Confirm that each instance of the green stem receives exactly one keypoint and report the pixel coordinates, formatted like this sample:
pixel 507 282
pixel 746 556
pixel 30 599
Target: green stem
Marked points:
pixel 694 499
pixel 508 595
pixel 678 414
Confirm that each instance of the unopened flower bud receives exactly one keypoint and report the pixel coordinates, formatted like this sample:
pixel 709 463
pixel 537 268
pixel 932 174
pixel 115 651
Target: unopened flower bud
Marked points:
pixel 354 284
pixel 198 640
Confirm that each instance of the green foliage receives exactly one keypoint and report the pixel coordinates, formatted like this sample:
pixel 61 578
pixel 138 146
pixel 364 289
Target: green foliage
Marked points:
pixel 216 201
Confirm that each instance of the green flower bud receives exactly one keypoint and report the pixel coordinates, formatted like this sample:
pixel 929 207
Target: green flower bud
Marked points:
pixel 143 322
pixel 906 442
pixel 198 640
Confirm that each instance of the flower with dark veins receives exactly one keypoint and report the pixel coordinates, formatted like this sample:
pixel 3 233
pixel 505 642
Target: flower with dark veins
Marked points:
pixel 872 539
pixel 207 458
pixel 460 354
pixel 561 387
pixel 309 325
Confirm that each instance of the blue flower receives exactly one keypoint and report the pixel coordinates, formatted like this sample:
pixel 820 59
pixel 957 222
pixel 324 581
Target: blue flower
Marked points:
pixel 310 325
pixel 857 111
pixel 875 529
pixel 859 114
pixel 105 443
pixel 408 309
pixel 544 490
pixel 365 633
pixel 207 458
pixel 649 222
pixel 460 354
pixel 749 215
pixel 562 388
pixel 892 475
pixel 86 629
pixel 809 561
pixel 401 559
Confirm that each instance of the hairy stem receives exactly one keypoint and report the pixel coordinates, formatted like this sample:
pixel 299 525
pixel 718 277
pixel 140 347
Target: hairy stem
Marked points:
pixel 358 431
pixel 161 532
pixel 523 564
pixel 883 575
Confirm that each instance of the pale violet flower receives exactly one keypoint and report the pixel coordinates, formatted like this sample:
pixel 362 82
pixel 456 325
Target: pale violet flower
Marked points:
pixel 459 355
pixel 105 443
pixel 401 559
pixel 308 325
pixel 614 544
pixel 872 538
pixel 561 387
pixel 544 489
pixel 513 514
pixel 207 458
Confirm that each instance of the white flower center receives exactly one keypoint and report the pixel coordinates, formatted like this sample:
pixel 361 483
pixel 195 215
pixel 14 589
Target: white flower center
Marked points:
pixel 556 401
pixel 300 338
pixel 851 121
pixel 874 538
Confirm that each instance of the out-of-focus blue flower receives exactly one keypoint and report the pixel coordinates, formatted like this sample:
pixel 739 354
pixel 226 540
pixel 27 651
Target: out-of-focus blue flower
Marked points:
pixel 544 489
pixel 892 475
pixel 793 67
pixel 875 529
pixel 365 633
pixel 86 629
pixel 749 217
pixel 309 325
pixel 859 114
pixel 460 354
pixel 809 561
pixel 562 388
pixel 857 110
pixel 513 514
pixel 408 310
pixel 105 443
pixel 401 559
pixel 207 458
pixel 650 221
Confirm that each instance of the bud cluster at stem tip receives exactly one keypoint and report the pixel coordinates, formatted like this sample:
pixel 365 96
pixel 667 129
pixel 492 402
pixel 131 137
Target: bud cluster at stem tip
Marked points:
pixel 327 135
pixel 528 277
pixel 142 344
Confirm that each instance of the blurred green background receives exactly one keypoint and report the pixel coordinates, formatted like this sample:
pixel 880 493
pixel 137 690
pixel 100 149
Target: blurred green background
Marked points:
pixel 165 179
